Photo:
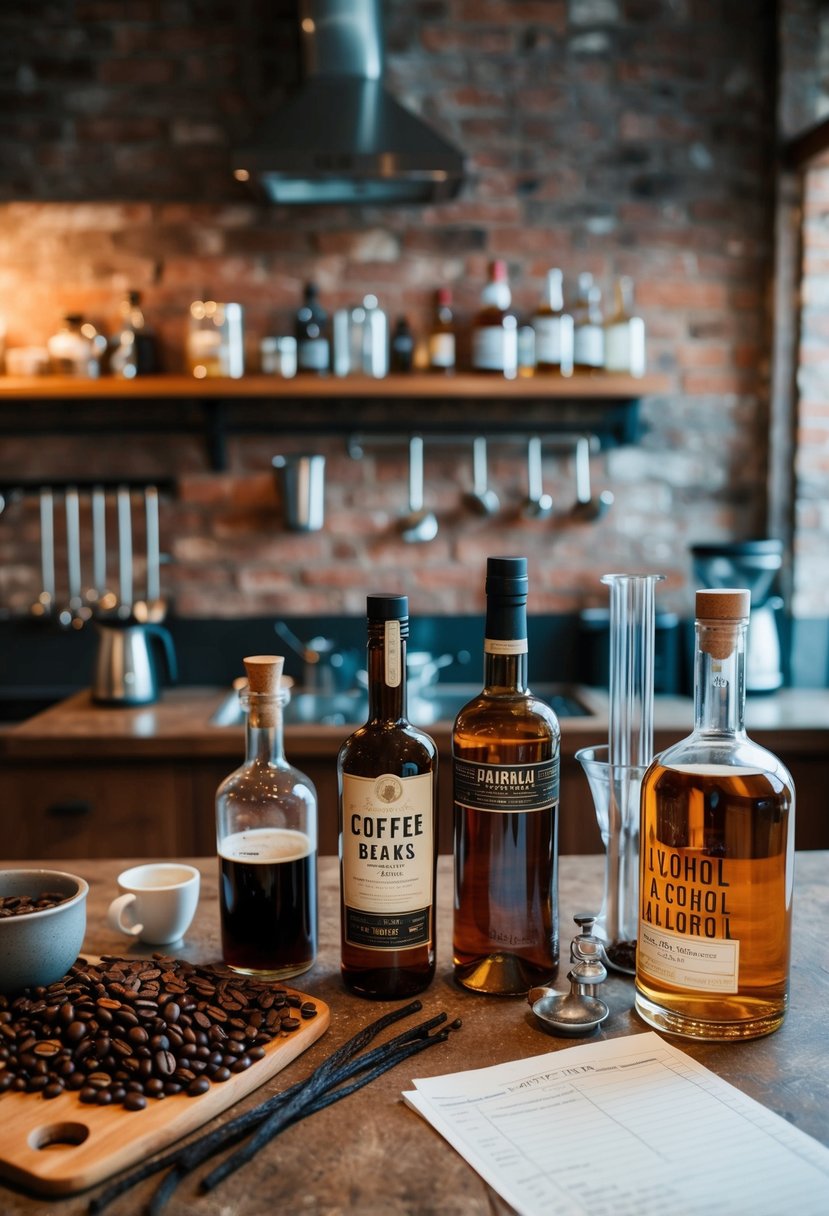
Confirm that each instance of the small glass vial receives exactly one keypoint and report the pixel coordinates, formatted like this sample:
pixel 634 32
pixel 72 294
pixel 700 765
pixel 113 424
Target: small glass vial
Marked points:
pixel 716 856
pixel 266 837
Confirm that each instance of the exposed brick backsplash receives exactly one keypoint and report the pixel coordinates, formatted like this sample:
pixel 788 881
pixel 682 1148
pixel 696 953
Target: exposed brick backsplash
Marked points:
pixel 616 138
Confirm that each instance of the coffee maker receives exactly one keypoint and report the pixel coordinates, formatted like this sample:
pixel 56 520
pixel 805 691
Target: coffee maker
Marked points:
pixel 752 564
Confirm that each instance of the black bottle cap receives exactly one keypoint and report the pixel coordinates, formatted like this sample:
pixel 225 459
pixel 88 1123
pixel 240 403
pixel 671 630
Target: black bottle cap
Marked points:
pixel 381 607
pixel 507 576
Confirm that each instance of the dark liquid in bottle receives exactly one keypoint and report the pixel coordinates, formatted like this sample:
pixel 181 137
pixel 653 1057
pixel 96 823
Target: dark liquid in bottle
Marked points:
pixel 268 899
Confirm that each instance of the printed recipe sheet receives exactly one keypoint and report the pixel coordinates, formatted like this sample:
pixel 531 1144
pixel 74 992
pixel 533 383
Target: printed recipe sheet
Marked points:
pixel 626 1127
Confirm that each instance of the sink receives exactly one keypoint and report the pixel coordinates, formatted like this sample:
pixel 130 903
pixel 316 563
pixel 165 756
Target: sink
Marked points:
pixel 436 704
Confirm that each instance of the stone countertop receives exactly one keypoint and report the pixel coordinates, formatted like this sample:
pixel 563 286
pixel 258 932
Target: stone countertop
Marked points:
pixel 372 1154
pixel 179 725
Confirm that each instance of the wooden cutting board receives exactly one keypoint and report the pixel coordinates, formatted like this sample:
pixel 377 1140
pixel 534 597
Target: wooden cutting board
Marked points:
pixel 62 1146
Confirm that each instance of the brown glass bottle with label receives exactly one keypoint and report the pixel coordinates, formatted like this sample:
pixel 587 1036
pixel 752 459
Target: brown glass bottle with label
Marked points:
pixel 716 858
pixel 387 778
pixel 505 749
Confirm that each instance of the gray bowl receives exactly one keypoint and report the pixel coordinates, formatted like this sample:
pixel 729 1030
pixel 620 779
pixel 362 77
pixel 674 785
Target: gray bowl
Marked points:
pixel 40 947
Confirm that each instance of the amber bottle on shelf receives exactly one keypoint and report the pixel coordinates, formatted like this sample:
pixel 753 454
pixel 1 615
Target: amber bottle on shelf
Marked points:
pixel 387 780
pixel 495 327
pixel 505 749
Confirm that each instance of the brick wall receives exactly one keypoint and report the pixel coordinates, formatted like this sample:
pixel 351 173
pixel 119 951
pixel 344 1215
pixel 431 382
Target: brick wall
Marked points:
pixel 616 136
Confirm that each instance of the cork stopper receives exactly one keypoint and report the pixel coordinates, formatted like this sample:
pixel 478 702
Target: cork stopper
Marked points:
pixel 264 673
pixel 720 611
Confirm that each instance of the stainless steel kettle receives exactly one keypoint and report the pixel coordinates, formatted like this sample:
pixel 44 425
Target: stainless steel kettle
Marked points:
pixel 126 672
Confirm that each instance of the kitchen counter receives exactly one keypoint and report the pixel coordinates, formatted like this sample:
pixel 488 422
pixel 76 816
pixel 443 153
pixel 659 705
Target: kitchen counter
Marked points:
pixel 83 780
pixel 179 724
pixel 370 1153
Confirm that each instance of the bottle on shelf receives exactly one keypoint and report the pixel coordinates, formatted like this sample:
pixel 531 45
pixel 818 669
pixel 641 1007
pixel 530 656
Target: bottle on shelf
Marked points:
pixel 553 329
pixel 311 332
pixel 387 778
pixel 505 749
pixel 374 336
pixel 442 353
pixel 134 351
pixel 76 349
pixel 716 856
pixel 402 347
pixel 588 326
pixel 266 836
pixel 624 339
pixel 495 327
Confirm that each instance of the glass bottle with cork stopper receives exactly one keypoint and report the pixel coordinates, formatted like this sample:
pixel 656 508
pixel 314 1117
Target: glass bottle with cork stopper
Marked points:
pixel 266 836
pixel 716 856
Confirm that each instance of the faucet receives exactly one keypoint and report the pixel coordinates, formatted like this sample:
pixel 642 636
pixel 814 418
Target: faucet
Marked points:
pixel 322 660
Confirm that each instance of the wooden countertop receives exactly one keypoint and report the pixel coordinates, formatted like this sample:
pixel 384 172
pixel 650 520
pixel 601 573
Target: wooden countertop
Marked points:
pixel 370 1153
pixel 179 725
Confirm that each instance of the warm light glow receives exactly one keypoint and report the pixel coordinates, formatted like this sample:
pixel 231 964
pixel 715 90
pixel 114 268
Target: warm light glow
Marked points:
pixel 241 175
pixel 308 25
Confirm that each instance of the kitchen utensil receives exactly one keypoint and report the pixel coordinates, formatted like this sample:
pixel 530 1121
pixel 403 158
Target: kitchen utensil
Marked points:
pixel 153 608
pixel 537 504
pixel 418 525
pixel 104 598
pixel 124 553
pixel 482 499
pixel 76 612
pixel 302 482
pixel 125 671
pixel 587 506
pixel 44 605
pixel 614 773
pixel 157 902
pixel 89 1143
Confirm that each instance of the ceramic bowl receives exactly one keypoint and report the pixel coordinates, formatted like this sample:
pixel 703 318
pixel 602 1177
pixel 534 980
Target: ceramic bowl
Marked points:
pixel 40 947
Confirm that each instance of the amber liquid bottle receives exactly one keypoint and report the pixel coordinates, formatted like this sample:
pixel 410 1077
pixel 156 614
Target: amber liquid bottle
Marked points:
pixel 716 857
pixel 387 777
pixel 505 748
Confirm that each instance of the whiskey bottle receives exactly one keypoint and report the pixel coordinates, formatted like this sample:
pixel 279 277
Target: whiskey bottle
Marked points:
pixel 716 856
pixel 588 322
pixel 266 835
pixel 387 778
pixel 311 329
pixel 553 329
pixel 505 748
pixel 441 344
pixel 624 340
pixel 495 327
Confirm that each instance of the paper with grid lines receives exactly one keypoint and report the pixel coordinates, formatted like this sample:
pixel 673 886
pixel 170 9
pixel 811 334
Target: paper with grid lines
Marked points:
pixel 624 1127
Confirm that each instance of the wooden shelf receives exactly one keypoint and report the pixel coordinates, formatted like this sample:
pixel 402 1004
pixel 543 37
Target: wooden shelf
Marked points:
pixel 604 405
pixel 577 387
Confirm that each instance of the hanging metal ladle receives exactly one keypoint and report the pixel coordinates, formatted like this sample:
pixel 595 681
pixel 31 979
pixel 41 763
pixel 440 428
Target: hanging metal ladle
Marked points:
pixel 481 499
pixel 587 505
pixel 537 504
pixel 418 525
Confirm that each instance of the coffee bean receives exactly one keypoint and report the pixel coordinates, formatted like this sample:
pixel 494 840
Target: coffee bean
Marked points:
pixel 198 1086
pixel 108 1033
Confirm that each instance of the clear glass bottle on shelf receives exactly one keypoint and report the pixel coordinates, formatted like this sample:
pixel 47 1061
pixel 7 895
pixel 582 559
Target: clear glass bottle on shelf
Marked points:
pixel 553 329
pixel 266 836
pixel 311 332
pixel 588 326
pixel 716 856
pixel 216 340
pixel 442 352
pixel 387 777
pixel 624 341
pixel 505 748
pixel 495 327
pixel 77 348
pixel 134 351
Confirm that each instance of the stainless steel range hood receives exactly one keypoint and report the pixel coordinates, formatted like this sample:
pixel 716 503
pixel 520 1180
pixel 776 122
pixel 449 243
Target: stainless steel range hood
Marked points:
pixel 342 138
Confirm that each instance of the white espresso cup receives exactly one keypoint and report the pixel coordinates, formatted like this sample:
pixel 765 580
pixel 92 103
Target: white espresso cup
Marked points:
pixel 158 902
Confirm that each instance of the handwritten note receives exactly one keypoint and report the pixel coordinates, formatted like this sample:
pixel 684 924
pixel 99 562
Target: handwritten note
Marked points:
pixel 625 1127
